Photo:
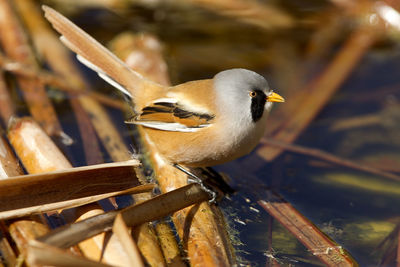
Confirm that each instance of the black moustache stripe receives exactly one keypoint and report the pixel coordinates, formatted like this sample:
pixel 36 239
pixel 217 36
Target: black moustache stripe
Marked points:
pixel 257 105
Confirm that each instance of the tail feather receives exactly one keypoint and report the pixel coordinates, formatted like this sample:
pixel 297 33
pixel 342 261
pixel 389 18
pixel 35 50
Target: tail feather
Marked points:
pixel 96 56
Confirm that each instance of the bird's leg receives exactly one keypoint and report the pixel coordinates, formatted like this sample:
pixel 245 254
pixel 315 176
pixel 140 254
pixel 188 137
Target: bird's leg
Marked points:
pixel 195 179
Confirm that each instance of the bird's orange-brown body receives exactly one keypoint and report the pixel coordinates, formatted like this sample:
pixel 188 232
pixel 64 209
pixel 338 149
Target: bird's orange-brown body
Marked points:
pixel 198 123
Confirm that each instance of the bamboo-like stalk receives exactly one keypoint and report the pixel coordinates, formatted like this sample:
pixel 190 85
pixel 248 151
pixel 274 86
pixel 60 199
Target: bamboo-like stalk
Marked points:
pixel 7 254
pixel 319 93
pixel 40 254
pixel 122 232
pixel 34 147
pixel 103 247
pixel 208 243
pixel 307 233
pixel 38 154
pixel 149 210
pixel 62 185
pixel 169 245
pixel 9 165
pixel 322 155
pixel 21 230
pixel 68 204
pixel 15 44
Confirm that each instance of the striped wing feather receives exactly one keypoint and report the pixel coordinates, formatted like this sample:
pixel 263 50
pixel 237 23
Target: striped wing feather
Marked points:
pixel 171 117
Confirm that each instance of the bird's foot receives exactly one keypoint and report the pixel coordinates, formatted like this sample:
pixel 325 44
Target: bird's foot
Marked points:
pixel 195 179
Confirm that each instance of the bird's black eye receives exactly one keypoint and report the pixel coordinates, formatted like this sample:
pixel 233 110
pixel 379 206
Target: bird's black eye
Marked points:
pixel 253 94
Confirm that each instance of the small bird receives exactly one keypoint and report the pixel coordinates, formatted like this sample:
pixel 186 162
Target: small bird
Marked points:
pixel 196 124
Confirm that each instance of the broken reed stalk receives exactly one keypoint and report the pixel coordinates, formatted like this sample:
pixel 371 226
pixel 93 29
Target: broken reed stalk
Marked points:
pixel 307 233
pixel 150 210
pixel 208 243
pixel 9 167
pixel 20 231
pixel 16 46
pixel 9 164
pixel 68 204
pixel 122 232
pixel 322 155
pixel 104 247
pixel 39 154
pixel 62 185
pixel 40 254
pixel 319 93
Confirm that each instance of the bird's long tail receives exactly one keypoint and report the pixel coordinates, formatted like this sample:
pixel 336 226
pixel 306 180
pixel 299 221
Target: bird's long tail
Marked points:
pixel 95 56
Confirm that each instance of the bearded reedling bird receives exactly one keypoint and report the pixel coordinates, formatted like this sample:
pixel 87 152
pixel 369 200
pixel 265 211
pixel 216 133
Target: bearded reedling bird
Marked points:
pixel 198 123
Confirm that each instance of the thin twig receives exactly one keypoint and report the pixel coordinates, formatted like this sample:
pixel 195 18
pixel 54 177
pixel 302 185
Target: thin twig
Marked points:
pixel 306 232
pixel 317 153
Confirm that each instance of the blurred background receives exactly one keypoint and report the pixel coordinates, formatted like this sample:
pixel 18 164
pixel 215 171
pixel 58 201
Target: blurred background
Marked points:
pixel 332 150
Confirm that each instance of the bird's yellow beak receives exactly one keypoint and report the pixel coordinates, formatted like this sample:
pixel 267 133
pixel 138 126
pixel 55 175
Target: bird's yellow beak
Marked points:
pixel 274 97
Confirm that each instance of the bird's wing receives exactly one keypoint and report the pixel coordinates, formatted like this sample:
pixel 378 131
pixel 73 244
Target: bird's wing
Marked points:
pixel 169 115
pixel 94 55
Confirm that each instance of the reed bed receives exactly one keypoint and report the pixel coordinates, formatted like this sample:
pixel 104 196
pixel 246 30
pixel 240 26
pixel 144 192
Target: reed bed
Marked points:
pixel 56 212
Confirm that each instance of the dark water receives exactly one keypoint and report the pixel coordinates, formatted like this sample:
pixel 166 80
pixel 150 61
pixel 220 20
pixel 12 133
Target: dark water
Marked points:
pixel 361 123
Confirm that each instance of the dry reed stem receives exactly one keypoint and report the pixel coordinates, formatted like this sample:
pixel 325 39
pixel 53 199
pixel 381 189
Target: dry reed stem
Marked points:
pixel 19 230
pixel 319 92
pixel 40 254
pixel 62 185
pixel 8 256
pixel 68 204
pixel 122 232
pixel 16 46
pixel 322 155
pixel 22 231
pixel 150 210
pixel 307 233
pixel 34 147
pixel 169 245
pixel 252 12
pixel 201 227
pixel 39 154
pixel 9 165
pixel 7 108
pixel 104 247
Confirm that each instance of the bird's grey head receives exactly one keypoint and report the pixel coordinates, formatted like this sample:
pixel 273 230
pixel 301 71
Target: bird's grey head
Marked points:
pixel 242 93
